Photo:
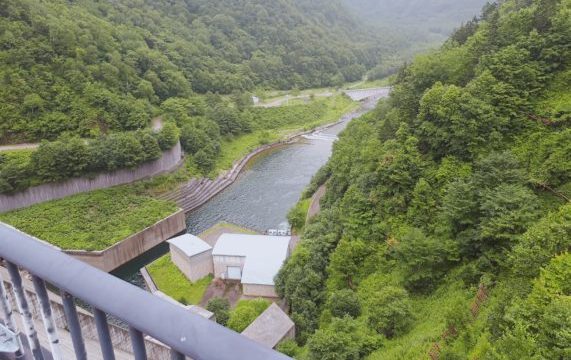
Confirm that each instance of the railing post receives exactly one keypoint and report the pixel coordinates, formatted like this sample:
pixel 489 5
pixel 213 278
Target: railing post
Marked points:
pixel 73 326
pixel 175 355
pixel 9 318
pixel 103 333
pixel 49 323
pixel 25 311
pixel 138 344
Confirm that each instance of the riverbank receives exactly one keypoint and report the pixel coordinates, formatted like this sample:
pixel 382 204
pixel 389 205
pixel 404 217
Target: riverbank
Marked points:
pixel 196 192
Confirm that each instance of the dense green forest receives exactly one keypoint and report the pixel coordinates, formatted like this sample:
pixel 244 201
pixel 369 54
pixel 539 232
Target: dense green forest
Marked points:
pixel 458 184
pixel 91 66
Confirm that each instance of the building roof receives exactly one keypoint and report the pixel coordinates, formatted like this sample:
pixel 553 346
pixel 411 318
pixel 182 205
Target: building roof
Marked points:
pixel 264 255
pixel 189 244
pixel 270 327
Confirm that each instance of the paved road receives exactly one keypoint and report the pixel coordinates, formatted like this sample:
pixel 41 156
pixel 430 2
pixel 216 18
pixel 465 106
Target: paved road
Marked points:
pixel 282 100
pixel 18 147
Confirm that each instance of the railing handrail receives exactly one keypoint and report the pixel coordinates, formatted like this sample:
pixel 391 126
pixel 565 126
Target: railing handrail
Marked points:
pixel 198 338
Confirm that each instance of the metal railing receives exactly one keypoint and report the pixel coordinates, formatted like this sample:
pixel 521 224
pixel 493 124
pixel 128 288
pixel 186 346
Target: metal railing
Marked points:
pixel 187 334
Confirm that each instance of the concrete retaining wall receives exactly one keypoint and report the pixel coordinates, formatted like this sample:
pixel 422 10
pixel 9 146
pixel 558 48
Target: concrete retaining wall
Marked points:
pixel 133 246
pixel 52 191
pixel 257 290
pixel 119 336
pixel 194 194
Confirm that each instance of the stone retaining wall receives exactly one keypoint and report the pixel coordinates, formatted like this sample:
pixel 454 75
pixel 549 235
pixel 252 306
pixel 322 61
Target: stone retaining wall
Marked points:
pixel 133 246
pixel 52 191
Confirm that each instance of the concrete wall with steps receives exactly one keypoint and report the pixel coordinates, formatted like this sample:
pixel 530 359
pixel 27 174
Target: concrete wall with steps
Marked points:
pixel 195 193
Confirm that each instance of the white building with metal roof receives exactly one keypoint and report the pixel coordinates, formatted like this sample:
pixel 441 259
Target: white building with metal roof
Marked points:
pixel 254 260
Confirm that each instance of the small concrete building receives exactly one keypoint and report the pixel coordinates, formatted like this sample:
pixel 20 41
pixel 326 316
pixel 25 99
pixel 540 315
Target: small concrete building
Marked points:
pixel 271 327
pixel 254 260
pixel 192 256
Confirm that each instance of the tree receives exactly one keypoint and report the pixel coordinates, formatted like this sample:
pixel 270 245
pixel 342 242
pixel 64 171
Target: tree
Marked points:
pixel 221 309
pixel 548 237
pixel 453 122
pixel 506 211
pixel 344 339
pixel 151 149
pixel 550 301
pixel 61 159
pixel 389 311
pixel 424 259
pixel 204 161
pixel 344 302
pixel 168 136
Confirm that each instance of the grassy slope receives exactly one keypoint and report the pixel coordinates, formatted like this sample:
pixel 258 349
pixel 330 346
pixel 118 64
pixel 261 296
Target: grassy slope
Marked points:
pixel 429 323
pixel 90 221
pixel 331 110
pixel 170 280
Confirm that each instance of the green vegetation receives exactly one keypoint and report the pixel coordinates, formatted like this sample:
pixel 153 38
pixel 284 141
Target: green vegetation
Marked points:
pixel 272 124
pixel 458 183
pixel 221 309
pixel 90 221
pixel 237 319
pixel 245 312
pixel 70 157
pixel 88 66
pixel 171 281
pixel 298 214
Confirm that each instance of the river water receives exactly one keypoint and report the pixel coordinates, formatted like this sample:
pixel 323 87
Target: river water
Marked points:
pixel 262 195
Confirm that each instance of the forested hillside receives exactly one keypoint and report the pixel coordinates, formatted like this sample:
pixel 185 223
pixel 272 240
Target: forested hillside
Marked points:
pixel 428 20
pixel 459 184
pixel 89 66
pixel 421 25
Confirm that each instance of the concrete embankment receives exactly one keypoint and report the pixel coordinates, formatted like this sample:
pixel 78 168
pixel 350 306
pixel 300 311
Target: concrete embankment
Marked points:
pixel 133 246
pixel 52 191
pixel 196 192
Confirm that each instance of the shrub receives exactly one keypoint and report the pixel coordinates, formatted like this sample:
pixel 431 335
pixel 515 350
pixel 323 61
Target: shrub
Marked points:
pixel 345 339
pixel 62 159
pixel 246 312
pixel 221 309
pixel 289 348
pixel 168 136
pixel 345 302
pixel 389 311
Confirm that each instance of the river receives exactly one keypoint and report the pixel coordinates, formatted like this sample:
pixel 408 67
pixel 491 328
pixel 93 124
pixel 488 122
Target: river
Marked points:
pixel 264 192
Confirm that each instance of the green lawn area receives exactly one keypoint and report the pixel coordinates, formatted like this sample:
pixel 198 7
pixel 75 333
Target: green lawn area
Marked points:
pixel 91 221
pixel 171 281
